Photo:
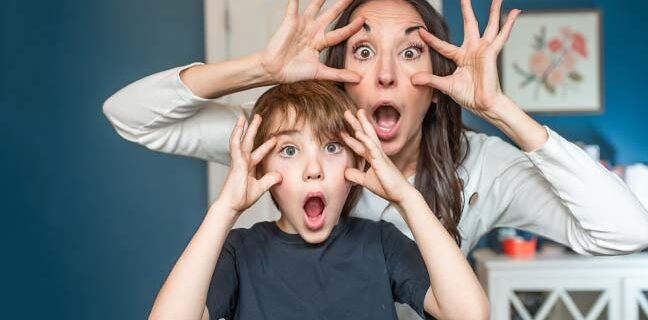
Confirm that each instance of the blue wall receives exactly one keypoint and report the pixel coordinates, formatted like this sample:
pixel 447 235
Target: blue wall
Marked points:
pixel 91 224
pixel 621 131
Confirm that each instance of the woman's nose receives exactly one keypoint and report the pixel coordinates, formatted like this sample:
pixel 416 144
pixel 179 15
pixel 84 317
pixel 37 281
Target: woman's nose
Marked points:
pixel 386 76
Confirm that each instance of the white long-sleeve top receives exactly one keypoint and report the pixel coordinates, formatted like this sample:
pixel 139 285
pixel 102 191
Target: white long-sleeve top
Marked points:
pixel 556 191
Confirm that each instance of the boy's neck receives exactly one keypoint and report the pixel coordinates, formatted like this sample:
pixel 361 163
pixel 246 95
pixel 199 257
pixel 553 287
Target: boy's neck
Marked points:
pixel 286 227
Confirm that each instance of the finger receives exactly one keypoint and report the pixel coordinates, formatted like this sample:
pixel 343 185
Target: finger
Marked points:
pixel 268 180
pixel 250 133
pixel 235 137
pixel 375 152
pixel 355 145
pixel 444 48
pixel 339 75
pixel 362 165
pixel 292 8
pixel 336 36
pixel 367 126
pixel 425 78
pixel 503 36
pixel 333 12
pixel 352 120
pixel 354 175
pixel 471 28
pixel 492 28
pixel 313 8
pixel 262 151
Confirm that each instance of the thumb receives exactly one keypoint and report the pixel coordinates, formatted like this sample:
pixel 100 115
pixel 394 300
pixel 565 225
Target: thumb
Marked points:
pixel 354 175
pixel 424 78
pixel 339 75
pixel 270 179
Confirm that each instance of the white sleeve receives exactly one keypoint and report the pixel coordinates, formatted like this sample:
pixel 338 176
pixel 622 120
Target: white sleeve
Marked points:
pixel 162 114
pixel 559 192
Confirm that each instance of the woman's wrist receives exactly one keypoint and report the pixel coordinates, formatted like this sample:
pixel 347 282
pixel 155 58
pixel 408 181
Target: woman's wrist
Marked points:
pixel 507 116
pixel 260 72
pixel 500 110
pixel 210 81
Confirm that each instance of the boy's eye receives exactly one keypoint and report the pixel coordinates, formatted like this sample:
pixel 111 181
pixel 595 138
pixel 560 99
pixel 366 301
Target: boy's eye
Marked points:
pixel 362 52
pixel 288 151
pixel 333 147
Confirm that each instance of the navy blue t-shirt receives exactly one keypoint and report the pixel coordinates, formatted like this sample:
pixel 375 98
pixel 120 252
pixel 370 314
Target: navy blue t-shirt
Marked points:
pixel 357 273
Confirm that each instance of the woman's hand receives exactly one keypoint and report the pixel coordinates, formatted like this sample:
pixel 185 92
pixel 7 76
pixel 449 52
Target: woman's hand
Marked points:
pixel 242 189
pixel 293 53
pixel 475 83
pixel 383 177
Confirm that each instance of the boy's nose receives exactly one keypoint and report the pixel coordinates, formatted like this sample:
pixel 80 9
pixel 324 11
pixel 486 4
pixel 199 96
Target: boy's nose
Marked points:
pixel 313 170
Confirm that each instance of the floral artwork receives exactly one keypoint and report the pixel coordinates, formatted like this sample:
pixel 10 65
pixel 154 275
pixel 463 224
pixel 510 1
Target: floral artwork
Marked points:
pixel 552 64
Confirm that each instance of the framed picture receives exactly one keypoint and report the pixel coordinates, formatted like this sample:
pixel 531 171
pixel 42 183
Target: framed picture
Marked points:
pixel 552 62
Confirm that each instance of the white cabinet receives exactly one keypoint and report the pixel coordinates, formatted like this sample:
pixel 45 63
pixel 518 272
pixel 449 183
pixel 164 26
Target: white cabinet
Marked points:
pixel 565 286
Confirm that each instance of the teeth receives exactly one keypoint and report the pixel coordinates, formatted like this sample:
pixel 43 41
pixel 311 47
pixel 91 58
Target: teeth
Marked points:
pixel 384 129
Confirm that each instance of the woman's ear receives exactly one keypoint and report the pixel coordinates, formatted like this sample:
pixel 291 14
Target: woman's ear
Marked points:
pixel 435 96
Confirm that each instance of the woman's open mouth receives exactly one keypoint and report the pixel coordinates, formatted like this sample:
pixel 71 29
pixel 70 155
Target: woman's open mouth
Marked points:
pixel 314 210
pixel 386 116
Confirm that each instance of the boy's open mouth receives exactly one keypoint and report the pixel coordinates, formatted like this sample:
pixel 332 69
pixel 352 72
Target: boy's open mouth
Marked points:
pixel 386 116
pixel 314 210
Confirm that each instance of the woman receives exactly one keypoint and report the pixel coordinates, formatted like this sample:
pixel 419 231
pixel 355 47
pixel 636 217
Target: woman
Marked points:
pixel 395 61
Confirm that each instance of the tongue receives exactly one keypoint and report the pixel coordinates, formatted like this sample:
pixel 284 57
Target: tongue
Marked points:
pixel 314 207
pixel 386 117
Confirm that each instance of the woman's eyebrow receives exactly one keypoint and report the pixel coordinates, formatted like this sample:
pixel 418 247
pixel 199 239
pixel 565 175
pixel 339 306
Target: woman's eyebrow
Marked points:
pixel 409 30
pixel 412 29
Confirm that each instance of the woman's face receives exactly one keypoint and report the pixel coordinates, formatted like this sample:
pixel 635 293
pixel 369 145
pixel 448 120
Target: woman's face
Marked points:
pixel 386 52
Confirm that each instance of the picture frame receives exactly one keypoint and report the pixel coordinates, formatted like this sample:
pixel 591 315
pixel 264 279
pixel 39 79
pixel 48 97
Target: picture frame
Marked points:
pixel 552 62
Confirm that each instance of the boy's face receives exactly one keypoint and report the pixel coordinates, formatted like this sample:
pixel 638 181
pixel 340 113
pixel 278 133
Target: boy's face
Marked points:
pixel 313 190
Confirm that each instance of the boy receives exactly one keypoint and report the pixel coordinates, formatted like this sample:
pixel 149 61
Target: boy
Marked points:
pixel 315 262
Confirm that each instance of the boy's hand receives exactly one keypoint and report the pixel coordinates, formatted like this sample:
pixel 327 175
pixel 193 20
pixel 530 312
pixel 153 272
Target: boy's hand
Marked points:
pixel 242 189
pixel 383 178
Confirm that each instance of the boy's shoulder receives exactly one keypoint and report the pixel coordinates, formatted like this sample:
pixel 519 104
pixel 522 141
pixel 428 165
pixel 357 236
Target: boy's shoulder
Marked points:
pixel 364 223
pixel 260 231
pixel 368 223
pixel 369 227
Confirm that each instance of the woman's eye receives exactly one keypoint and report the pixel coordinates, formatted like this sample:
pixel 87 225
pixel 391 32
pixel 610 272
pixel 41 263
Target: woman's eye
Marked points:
pixel 411 53
pixel 362 52
pixel 333 147
pixel 288 151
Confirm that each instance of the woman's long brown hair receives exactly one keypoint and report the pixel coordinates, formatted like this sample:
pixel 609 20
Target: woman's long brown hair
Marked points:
pixel 442 129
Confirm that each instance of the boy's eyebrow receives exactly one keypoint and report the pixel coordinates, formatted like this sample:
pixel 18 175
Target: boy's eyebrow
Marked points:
pixel 284 132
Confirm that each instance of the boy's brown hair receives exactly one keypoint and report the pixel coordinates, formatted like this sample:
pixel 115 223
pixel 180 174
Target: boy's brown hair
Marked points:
pixel 321 104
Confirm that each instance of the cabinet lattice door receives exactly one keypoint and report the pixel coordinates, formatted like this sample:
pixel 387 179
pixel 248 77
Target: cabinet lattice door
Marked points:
pixel 565 286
